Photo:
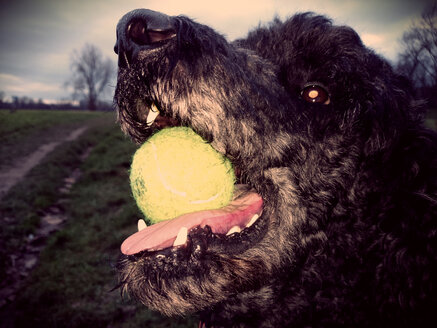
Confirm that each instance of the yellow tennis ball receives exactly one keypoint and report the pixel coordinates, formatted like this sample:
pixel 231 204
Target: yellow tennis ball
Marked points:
pixel 177 172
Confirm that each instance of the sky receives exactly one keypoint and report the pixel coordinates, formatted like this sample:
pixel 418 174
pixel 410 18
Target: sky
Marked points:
pixel 38 37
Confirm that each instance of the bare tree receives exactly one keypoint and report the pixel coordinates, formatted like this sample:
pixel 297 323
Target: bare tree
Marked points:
pixel 90 74
pixel 419 57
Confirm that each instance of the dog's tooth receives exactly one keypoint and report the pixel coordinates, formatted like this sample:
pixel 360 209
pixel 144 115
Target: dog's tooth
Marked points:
pixel 153 114
pixel 181 239
pixel 252 220
pixel 234 229
pixel 141 224
pixel 154 108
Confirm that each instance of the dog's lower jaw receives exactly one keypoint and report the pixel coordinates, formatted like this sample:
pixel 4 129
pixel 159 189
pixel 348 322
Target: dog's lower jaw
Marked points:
pixel 179 294
pixel 204 278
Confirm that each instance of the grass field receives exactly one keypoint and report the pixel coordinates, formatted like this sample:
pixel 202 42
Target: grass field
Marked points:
pixel 71 285
pixel 23 131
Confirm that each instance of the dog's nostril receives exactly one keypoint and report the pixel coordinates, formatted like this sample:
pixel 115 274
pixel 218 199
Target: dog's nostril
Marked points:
pixel 141 34
pixel 141 30
pixel 138 32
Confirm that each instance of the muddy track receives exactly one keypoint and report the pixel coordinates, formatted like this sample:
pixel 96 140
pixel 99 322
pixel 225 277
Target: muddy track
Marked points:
pixel 9 177
pixel 52 220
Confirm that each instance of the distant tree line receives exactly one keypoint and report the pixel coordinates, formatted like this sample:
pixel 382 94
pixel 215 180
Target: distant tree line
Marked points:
pixel 24 102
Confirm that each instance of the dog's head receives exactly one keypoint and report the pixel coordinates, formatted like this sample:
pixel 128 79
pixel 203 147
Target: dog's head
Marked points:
pixel 294 106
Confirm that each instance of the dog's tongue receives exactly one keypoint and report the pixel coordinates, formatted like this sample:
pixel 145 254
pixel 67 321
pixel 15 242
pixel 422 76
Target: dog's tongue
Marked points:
pixel 163 234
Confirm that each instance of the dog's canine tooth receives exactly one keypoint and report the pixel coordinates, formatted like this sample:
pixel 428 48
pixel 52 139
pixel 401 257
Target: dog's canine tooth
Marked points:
pixel 154 108
pixel 141 224
pixel 234 229
pixel 252 220
pixel 153 114
pixel 181 239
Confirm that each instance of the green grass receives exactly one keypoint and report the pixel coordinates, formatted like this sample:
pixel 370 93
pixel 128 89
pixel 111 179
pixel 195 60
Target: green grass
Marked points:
pixel 71 285
pixel 27 121
pixel 23 131
pixel 431 119
pixel 431 123
pixel 39 189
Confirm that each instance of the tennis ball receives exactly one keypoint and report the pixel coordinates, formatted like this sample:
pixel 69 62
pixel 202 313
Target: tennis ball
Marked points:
pixel 177 172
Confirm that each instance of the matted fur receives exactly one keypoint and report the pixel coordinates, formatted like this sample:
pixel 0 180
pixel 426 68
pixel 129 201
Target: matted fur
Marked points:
pixel 348 231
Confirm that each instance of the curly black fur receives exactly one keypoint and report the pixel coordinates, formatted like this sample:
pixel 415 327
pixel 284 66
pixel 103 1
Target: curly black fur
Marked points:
pixel 348 232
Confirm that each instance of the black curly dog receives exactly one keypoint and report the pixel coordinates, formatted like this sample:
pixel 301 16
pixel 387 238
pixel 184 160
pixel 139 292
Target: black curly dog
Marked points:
pixel 336 225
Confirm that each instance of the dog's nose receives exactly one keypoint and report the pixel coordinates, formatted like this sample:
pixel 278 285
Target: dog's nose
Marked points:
pixel 141 30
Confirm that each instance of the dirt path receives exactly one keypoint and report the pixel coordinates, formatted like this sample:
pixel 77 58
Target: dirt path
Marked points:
pixel 52 219
pixel 10 177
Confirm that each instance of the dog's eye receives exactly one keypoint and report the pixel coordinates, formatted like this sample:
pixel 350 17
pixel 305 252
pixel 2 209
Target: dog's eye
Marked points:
pixel 315 93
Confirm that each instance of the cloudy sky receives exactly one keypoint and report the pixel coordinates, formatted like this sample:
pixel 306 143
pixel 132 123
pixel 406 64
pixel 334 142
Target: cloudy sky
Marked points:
pixel 37 37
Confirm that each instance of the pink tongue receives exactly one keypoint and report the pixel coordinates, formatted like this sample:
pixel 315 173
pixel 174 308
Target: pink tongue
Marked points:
pixel 163 234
